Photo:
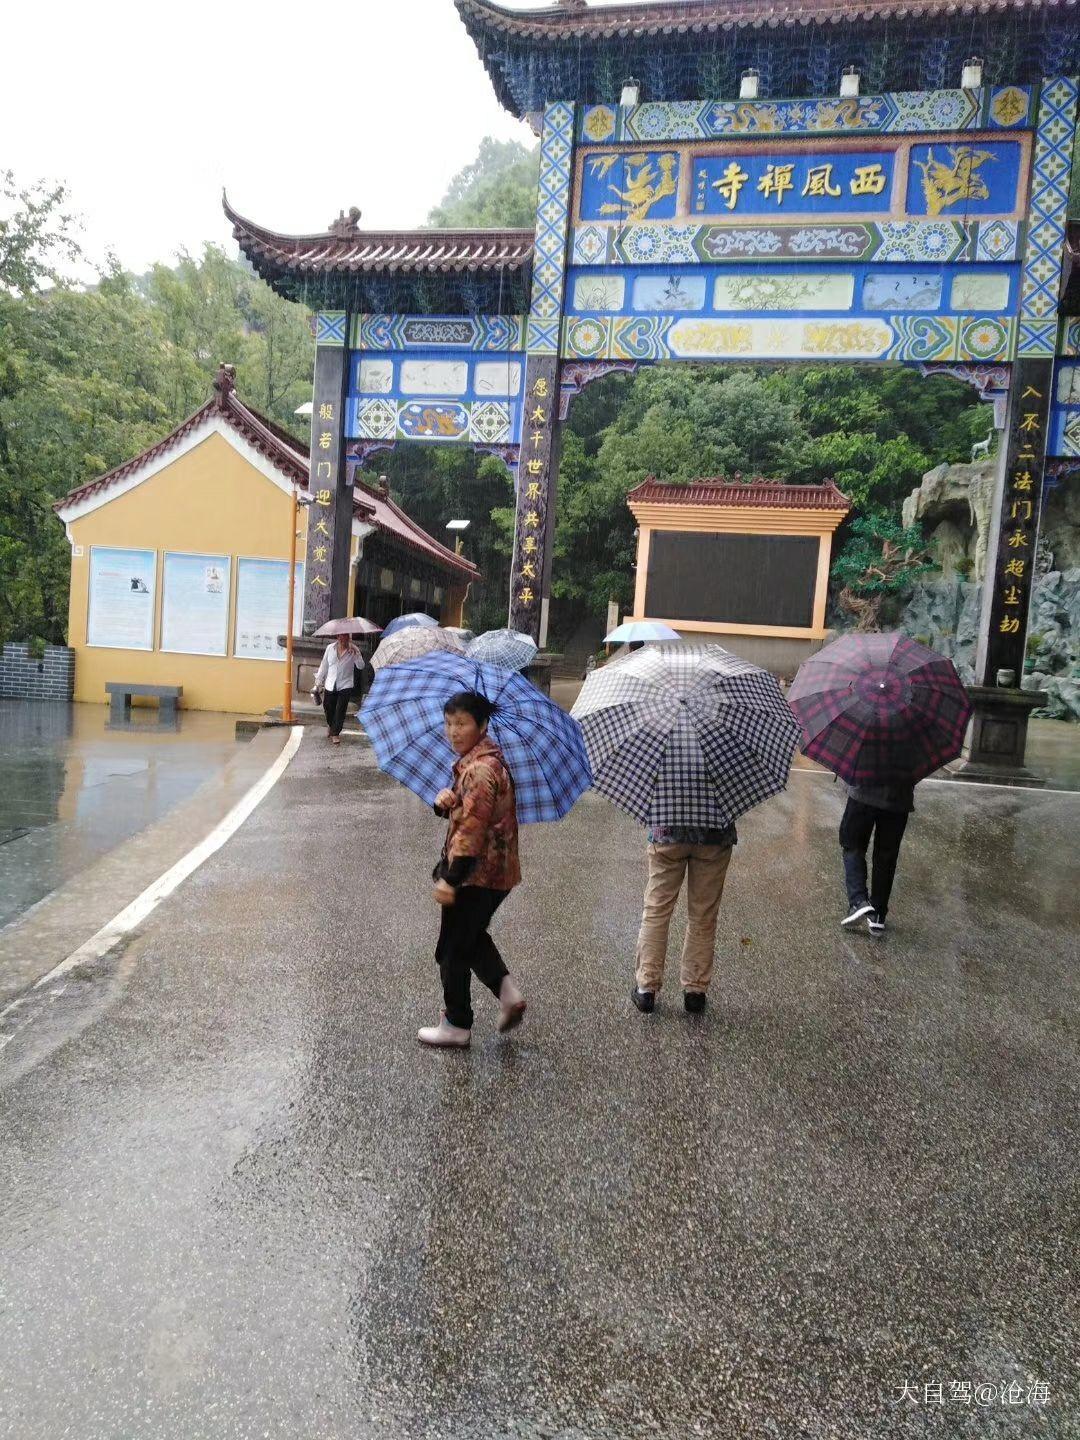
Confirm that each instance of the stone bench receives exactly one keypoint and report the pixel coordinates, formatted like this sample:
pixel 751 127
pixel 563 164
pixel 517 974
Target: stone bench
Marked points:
pixel 120 698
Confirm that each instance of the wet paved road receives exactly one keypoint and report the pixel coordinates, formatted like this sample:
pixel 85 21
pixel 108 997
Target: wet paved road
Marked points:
pixel 240 1202
pixel 73 787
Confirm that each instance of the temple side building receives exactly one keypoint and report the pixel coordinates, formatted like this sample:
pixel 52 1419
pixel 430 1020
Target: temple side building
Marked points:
pixel 180 559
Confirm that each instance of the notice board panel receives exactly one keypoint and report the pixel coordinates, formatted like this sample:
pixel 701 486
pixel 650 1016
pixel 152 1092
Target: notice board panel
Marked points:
pixel 737 579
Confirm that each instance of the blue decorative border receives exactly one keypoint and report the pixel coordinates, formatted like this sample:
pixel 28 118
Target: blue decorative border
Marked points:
pixel 980 339
pixel 493 333
pixel 435 421
pixel 903 242
pixel 552 221
pixel 330 328
pixel 790 290
pixel 1000 107
pixel 1045 252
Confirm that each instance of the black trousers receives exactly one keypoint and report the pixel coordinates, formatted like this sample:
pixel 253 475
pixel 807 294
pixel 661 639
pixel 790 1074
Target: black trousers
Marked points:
pixel 858 824
pixel 335 704
pixel 465 946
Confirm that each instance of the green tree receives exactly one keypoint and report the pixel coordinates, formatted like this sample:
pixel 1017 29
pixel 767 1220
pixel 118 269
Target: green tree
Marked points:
pixel 90 376
pixel 37 235
pixel 879 560
pixel 82 388
pixel 683 423
pixel 214 309
pixel 497 190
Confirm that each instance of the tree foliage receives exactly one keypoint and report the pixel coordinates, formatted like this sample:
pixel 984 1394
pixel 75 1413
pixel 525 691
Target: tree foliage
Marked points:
pixel 497 190
pixel 881 558
pixel 90 376
pixel 37 234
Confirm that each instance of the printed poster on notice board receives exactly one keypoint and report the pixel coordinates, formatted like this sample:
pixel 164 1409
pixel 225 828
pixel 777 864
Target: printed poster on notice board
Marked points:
pixel 195 604
pixel 262 607
pixel 122 584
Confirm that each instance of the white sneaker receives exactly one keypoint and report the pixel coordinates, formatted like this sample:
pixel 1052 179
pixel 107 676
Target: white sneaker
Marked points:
pixel 444 1035
pixel 856 913
pixel 511 1005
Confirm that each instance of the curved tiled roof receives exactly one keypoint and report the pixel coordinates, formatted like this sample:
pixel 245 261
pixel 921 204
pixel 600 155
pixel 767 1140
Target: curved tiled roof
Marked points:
pixel 770 494
pixel 346 253
pixel 388 517
pixel 694 49
pixel 290 456
pixel 270 439
pixel 572 21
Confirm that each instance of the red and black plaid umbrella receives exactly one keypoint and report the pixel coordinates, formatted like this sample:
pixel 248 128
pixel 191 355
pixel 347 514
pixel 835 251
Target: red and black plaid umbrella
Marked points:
pixel 880 709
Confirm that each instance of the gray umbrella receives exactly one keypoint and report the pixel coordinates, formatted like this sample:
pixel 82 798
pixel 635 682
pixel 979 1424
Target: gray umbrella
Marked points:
pixel 508 649
pixel 686 735
pixel 412 642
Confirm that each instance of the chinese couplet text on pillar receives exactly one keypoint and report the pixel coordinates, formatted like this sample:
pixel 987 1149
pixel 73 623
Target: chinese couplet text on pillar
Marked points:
pixel 1018 530
pixel 535 493
pixel 329 531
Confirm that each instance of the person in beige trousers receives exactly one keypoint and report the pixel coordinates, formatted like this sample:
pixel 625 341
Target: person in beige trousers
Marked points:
pixel 701 858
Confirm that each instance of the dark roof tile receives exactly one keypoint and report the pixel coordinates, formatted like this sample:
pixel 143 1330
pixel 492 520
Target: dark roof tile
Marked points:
pixel 346 249
pixel 573 22
pixel 771 494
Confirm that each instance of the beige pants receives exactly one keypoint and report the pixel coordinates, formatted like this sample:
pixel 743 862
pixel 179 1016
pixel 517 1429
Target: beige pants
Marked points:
pixel 707 866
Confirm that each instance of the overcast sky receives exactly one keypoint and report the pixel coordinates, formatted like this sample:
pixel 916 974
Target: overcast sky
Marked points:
pixel 298 110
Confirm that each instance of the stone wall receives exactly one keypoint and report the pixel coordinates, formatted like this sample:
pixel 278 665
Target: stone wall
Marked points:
pixel 1053 646
pixel 24 678
pixel 943 609
pixel 944 614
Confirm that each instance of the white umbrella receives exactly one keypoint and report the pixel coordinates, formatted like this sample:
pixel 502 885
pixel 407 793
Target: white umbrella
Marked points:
pixel 509 649
pixel 632 630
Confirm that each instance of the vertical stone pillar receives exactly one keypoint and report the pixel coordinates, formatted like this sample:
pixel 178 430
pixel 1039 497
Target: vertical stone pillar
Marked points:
pixel 996 742
pixel 1010 565
pixel 534 524
pixel 329 531
pixel 534 521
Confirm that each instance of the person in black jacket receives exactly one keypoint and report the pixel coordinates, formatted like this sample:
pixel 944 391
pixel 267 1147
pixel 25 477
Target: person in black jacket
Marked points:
pixel 881 812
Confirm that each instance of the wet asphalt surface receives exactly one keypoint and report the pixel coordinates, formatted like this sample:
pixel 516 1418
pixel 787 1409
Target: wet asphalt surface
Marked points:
pixel 239 1201
pixel 73 786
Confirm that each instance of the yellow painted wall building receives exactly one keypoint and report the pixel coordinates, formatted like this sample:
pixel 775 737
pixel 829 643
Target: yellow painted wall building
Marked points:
pixel 221 485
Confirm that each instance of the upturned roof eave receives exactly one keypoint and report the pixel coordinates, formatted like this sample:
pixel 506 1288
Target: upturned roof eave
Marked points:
pixel 572 25
pixel 382 252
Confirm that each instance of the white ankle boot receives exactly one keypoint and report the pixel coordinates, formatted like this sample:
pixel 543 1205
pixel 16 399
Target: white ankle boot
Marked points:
pixel 511 1005
pixel 444 1035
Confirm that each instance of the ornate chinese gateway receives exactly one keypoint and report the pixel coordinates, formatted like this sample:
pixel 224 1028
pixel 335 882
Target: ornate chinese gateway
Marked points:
pixel 781 181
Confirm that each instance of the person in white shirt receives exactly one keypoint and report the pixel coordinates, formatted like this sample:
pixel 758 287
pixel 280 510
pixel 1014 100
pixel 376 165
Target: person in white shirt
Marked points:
pixel 342 665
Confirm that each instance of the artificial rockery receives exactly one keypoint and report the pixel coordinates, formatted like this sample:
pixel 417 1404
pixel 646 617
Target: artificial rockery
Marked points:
pixel 953 506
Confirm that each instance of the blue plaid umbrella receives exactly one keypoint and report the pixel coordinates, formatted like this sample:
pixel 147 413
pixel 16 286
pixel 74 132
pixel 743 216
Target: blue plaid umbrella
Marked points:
pixel 542 745
pixel 508 649
pixel 406 622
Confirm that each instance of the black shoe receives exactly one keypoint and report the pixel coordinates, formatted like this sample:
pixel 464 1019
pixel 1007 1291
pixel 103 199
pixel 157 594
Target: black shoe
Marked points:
pixel 876 924
pixel 856 913
pixel 645 1000
pixel 693 1001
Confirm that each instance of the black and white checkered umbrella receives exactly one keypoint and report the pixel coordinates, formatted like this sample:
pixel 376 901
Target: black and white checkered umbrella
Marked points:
pixel 686 735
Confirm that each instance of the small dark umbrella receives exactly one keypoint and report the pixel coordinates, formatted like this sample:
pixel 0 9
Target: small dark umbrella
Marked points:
pixel 880 709
pixel 354 625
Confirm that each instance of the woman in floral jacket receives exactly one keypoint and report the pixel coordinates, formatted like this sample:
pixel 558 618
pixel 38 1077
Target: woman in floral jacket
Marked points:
pixel 478 869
